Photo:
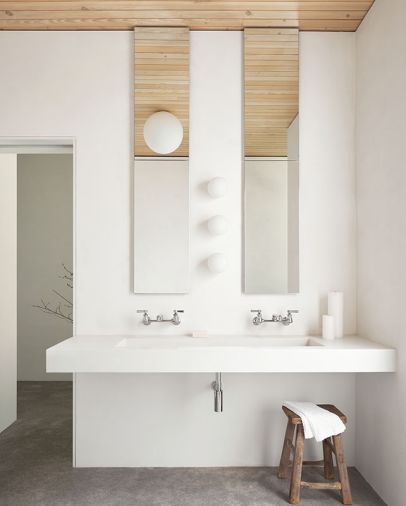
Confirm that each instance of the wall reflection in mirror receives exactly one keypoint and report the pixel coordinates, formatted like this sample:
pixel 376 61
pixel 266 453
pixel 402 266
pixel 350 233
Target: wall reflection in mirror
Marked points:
pixel 161 225
pixel 271 203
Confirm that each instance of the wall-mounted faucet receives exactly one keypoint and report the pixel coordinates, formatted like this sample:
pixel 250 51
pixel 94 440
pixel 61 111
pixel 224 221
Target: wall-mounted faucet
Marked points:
pixel 276 318
pixel 147 320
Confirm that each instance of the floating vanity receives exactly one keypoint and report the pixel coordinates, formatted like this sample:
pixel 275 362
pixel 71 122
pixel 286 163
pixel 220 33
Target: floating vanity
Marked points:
pixel 228 354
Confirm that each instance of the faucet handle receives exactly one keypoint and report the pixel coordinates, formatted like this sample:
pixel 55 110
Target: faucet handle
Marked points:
pixel 287 320
pixel 142 311
pixel 176 318
pixel 258 319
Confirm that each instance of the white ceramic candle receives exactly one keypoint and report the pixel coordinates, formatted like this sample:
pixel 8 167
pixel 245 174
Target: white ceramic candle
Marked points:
pixel 335 308
pixel 329 330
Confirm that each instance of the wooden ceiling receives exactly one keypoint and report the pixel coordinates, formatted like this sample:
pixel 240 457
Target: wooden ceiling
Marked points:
pixel 271 91
pixel 161 73
pixel 330 15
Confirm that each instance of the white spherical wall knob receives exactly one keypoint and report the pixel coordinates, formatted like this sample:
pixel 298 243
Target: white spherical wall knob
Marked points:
pixel 163 132
pixel 217 225
pixel 217 263
pixel 217 187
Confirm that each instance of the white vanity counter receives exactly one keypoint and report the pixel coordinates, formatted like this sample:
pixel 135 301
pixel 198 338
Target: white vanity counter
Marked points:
pixel 236 354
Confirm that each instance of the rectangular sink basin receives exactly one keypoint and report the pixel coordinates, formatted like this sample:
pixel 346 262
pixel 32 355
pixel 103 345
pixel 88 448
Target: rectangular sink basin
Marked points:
pixel 185 342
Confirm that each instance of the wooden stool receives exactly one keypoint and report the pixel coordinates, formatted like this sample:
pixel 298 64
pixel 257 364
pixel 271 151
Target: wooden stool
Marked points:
pixel 330 446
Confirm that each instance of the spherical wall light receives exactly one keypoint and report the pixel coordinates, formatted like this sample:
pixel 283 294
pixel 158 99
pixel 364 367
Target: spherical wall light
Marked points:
pixel 217 187
pixel 163 132
pixel 217 225
pixel 217 263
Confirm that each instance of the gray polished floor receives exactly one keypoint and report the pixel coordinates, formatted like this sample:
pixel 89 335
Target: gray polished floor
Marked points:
pixel 35 469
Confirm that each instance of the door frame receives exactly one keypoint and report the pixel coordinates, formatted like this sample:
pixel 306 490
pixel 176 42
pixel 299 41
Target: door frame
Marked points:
pixel 54 145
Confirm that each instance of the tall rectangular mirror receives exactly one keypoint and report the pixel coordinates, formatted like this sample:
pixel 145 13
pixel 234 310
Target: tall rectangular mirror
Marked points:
pixel 271 172
pixel 161 149
pixel 161 225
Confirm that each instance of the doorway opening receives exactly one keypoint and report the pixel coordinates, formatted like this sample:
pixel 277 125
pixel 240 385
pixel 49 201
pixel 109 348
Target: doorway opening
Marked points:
pixel 37 301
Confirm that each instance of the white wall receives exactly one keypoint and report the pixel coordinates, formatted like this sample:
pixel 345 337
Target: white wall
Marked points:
pixel 45 241
pixel 381 183
pixel 327 172
pixel 293 206
pixel 80 85
pixel 168 420
pixel 8 292
pixel 266 226
pixel 161 223
pixel 293 139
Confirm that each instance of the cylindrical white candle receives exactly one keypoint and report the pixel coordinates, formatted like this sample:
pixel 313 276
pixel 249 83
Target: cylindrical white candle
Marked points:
pixel 335 308
pixel 329 330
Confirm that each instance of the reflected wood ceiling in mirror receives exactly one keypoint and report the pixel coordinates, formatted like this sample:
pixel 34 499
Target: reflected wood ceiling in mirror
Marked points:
pixel 271 96
pixel 330 15
pixel 161 81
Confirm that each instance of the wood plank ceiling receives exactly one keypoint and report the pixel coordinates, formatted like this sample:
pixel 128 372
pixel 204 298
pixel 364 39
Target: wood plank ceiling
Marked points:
pixel 331 15
pixel 271 91
pixel 161 70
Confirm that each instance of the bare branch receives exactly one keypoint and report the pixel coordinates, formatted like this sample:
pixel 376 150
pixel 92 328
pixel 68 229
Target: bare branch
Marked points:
pixel 64 298
pixel 55 312
pixel 64 313
pixel 67 270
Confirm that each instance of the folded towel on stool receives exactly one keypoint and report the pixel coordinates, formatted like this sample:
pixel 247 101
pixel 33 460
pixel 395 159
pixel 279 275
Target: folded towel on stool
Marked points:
pixel 317 422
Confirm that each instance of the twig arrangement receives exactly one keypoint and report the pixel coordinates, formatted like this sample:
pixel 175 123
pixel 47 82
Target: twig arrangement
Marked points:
pixel 63 308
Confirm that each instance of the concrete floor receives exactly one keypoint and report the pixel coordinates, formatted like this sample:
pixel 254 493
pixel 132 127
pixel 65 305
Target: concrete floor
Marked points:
pixel 36 470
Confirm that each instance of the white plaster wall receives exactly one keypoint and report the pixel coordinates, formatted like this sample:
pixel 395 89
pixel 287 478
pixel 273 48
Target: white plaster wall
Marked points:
pixel 168 420
pixel 81 86
pixel 381 183
pixel 293 139
pixel 45 242
pixel 8 294
pixel 266 226
pixel 327 173
pixel 293 227
pixel 161 223
pixel 293 206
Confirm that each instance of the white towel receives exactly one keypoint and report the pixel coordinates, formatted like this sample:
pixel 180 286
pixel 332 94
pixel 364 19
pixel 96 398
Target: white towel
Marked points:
pixel 317 422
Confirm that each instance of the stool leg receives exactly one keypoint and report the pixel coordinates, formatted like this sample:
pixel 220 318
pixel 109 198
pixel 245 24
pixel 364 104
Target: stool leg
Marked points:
pixel 342 470
pixel 286 450
pixel 294 495
pixel 328 460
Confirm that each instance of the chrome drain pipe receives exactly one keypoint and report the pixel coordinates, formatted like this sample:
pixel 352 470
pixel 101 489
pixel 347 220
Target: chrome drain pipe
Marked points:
pixel 218 393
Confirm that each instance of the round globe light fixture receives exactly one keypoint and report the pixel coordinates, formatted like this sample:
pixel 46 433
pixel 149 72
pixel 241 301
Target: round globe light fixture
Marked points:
pixel 217 263
pixel 217 187
pixel 163 132
pixel 217 225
